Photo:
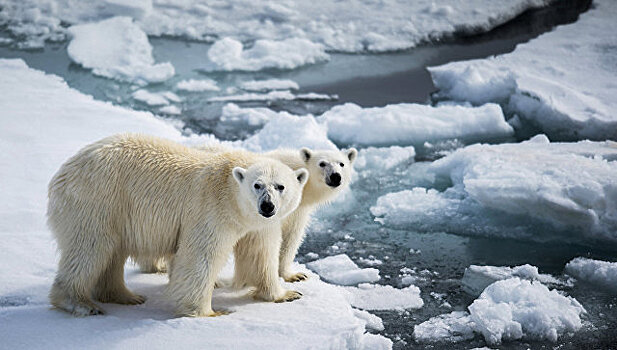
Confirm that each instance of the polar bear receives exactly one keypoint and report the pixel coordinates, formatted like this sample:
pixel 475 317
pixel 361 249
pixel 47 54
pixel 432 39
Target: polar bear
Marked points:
pixel 134 195
pixel 330 173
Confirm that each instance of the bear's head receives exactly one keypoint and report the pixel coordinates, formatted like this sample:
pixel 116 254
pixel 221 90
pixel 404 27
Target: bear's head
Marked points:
pixel 330 171
pixel 269 190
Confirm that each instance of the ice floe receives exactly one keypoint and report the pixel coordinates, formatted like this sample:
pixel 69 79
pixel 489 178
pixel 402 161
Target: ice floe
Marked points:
pixel 597 272
pixel 340 269
pixel 269 84
pixel 197 85
pixel 117 48
pixel 504 190
pixel 369 296
pixel 476 278
pixel 569 98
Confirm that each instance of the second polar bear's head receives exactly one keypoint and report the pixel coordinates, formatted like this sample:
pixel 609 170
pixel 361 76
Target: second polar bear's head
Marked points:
pixel 269 189
pixel 330 170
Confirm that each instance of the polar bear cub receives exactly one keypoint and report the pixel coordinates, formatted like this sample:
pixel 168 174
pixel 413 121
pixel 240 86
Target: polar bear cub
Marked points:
pixel 131 195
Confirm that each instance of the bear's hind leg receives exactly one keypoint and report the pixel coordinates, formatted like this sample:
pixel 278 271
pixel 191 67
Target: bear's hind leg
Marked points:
pixel 111 288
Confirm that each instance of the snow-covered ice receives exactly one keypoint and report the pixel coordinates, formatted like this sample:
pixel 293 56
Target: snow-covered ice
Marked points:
pixel 117 48
pixel 414 124
pixel 509 309
pixel 229 55
pixel 197 85
pixel 150 98
pixel 171 110
pixel 369 296
pixel 476 278
pixel 597 272
pixel 383 158
pixel 399 25
pixel 504 190
pixel 269 84
pixel 272 96
pixel 340 269
pixel 569 98
pixel 46 122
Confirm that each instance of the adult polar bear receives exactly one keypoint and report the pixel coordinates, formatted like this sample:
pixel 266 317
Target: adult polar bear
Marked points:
pixel 132 195
pixel 330 173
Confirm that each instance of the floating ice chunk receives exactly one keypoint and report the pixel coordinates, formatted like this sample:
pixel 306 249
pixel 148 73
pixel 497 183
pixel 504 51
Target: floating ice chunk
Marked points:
pixel 375 342
pixel 602 273
pixel 194 85
pixel 171 110
pixel 233 114
pixel 270 96
pixel 477 278
pixel 150 98
pixel 369 296
pixel 339 269
pixel 513 308
pixel 571 98
pixel 228 54
pixel 372 322
pixel 313 96
pixel 370 261
pixel 288 131
pixel 453 327
pixel 384 158
pixel 117 48
pixel 270 84
pixel 414 124
pixel 508 189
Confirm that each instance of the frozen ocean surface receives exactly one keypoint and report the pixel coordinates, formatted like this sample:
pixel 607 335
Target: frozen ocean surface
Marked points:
pixel 440 242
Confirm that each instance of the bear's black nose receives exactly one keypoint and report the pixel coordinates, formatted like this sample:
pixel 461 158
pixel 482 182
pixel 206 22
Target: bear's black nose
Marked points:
pixel 266 208
pixel 335 180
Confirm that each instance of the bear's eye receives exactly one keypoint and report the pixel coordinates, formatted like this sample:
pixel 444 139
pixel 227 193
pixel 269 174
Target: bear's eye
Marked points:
pixel 342 165
pixel 280 188
pixel 257 186
pixel 322 164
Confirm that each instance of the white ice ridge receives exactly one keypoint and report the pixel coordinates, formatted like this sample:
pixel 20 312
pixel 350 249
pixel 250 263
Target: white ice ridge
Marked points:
pixel 229 55
pixel 507 310
pixel 340 26
pixel 272 96
pixel 44 123
pixel 569 98
pixel 117 48
pixel 506 190
pixel 340 269
pixel 197 85
pixel 414 124
pixel 477 278
pixel 269 84
pixel 596 272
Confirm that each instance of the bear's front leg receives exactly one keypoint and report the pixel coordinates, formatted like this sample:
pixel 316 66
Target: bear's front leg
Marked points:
pixel 194 271
pixel 293 233
pixel 256 264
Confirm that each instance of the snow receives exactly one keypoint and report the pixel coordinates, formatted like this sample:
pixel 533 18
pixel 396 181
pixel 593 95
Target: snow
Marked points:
pixel 506 190
pixel 270 84
pixel 414 124
pixel 229 55
pixel 372 322
pixel 477 278
pixel 340 269
pixel 234 114
pixel 117 48
pixel 383 158
pixel 197 85
pixel 272 96
pixel 45 123
pixel 339 26
pixel 595 272
pixel 369 296
pixel 569 98
pixel 509 309
pixel 171 110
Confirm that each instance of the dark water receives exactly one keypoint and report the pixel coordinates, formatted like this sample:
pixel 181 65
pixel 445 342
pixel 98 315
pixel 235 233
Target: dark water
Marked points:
pixel 377 80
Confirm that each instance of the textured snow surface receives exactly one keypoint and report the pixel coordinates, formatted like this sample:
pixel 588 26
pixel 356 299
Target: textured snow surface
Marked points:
pixel 477 278
pixel 509 309
pixel 45 123
pixel 596 272
pixel 229 55
pixel 414 124
pixel 569 187
pixel 569 98
pixel 117 48
pixel 343 26
pixel 339 269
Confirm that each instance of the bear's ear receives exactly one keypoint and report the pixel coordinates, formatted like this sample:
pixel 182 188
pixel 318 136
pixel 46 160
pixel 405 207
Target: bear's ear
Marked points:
pixel 306 154
pixel 302 175
pixel 352 153
pixel 239 174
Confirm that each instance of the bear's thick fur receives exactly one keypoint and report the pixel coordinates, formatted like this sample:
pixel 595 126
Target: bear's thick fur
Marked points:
pixel 141 196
